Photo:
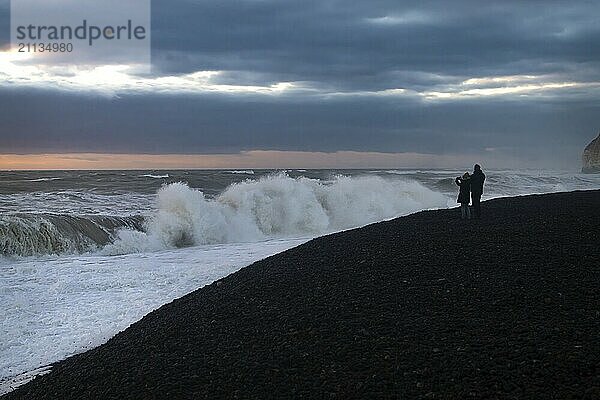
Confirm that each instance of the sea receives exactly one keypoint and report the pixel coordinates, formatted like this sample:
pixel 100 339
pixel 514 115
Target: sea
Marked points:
pixel 83 254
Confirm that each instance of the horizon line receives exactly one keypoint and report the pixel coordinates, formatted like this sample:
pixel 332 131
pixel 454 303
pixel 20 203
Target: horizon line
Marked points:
pixel 265 160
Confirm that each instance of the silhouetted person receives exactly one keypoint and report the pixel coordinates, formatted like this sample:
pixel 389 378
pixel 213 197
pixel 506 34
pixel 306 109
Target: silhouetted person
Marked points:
pixel 477 180
pixel 464 195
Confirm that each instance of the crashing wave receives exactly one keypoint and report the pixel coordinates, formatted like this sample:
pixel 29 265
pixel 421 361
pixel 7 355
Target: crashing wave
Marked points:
pixel 272 206
pixel 37 234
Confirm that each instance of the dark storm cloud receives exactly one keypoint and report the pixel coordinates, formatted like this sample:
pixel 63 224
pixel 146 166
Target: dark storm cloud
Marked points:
pixel 4 23
pixel 336 46
pixel 227 124
pixel 376 44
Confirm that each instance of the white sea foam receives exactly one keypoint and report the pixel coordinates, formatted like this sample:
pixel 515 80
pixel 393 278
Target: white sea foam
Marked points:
pixel 54 307
pixel 242 172
pixel 11 383
pixel 43 179
pixel 273 206
pixel 155 176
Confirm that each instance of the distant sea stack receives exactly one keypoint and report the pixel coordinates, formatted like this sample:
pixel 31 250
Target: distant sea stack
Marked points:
pixel 591 157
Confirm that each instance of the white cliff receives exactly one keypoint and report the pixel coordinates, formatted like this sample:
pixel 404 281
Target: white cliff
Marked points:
pixel 591 157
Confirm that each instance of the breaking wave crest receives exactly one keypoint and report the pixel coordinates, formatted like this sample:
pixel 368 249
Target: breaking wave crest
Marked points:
pixel 37 234
pixel 273 206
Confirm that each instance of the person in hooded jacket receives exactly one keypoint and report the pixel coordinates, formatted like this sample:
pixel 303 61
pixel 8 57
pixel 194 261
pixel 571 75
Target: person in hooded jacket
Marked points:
pixel 477 180
pixel 464 195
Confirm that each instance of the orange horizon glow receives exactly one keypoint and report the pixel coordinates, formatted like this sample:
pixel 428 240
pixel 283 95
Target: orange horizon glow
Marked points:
pixel 258 159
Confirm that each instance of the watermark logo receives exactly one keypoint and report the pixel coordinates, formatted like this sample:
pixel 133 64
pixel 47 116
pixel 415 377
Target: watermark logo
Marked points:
pixel 83 32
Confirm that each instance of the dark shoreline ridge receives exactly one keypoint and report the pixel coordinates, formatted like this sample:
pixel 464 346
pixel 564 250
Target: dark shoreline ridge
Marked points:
pixel 423 306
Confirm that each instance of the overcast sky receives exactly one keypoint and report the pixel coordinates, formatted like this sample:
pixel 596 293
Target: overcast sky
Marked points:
pixel 507 82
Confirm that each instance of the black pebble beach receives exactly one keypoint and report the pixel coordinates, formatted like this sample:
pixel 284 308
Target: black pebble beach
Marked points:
pixel 420 307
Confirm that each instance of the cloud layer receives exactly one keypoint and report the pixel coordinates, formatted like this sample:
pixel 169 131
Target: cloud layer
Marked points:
pixel 515 78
